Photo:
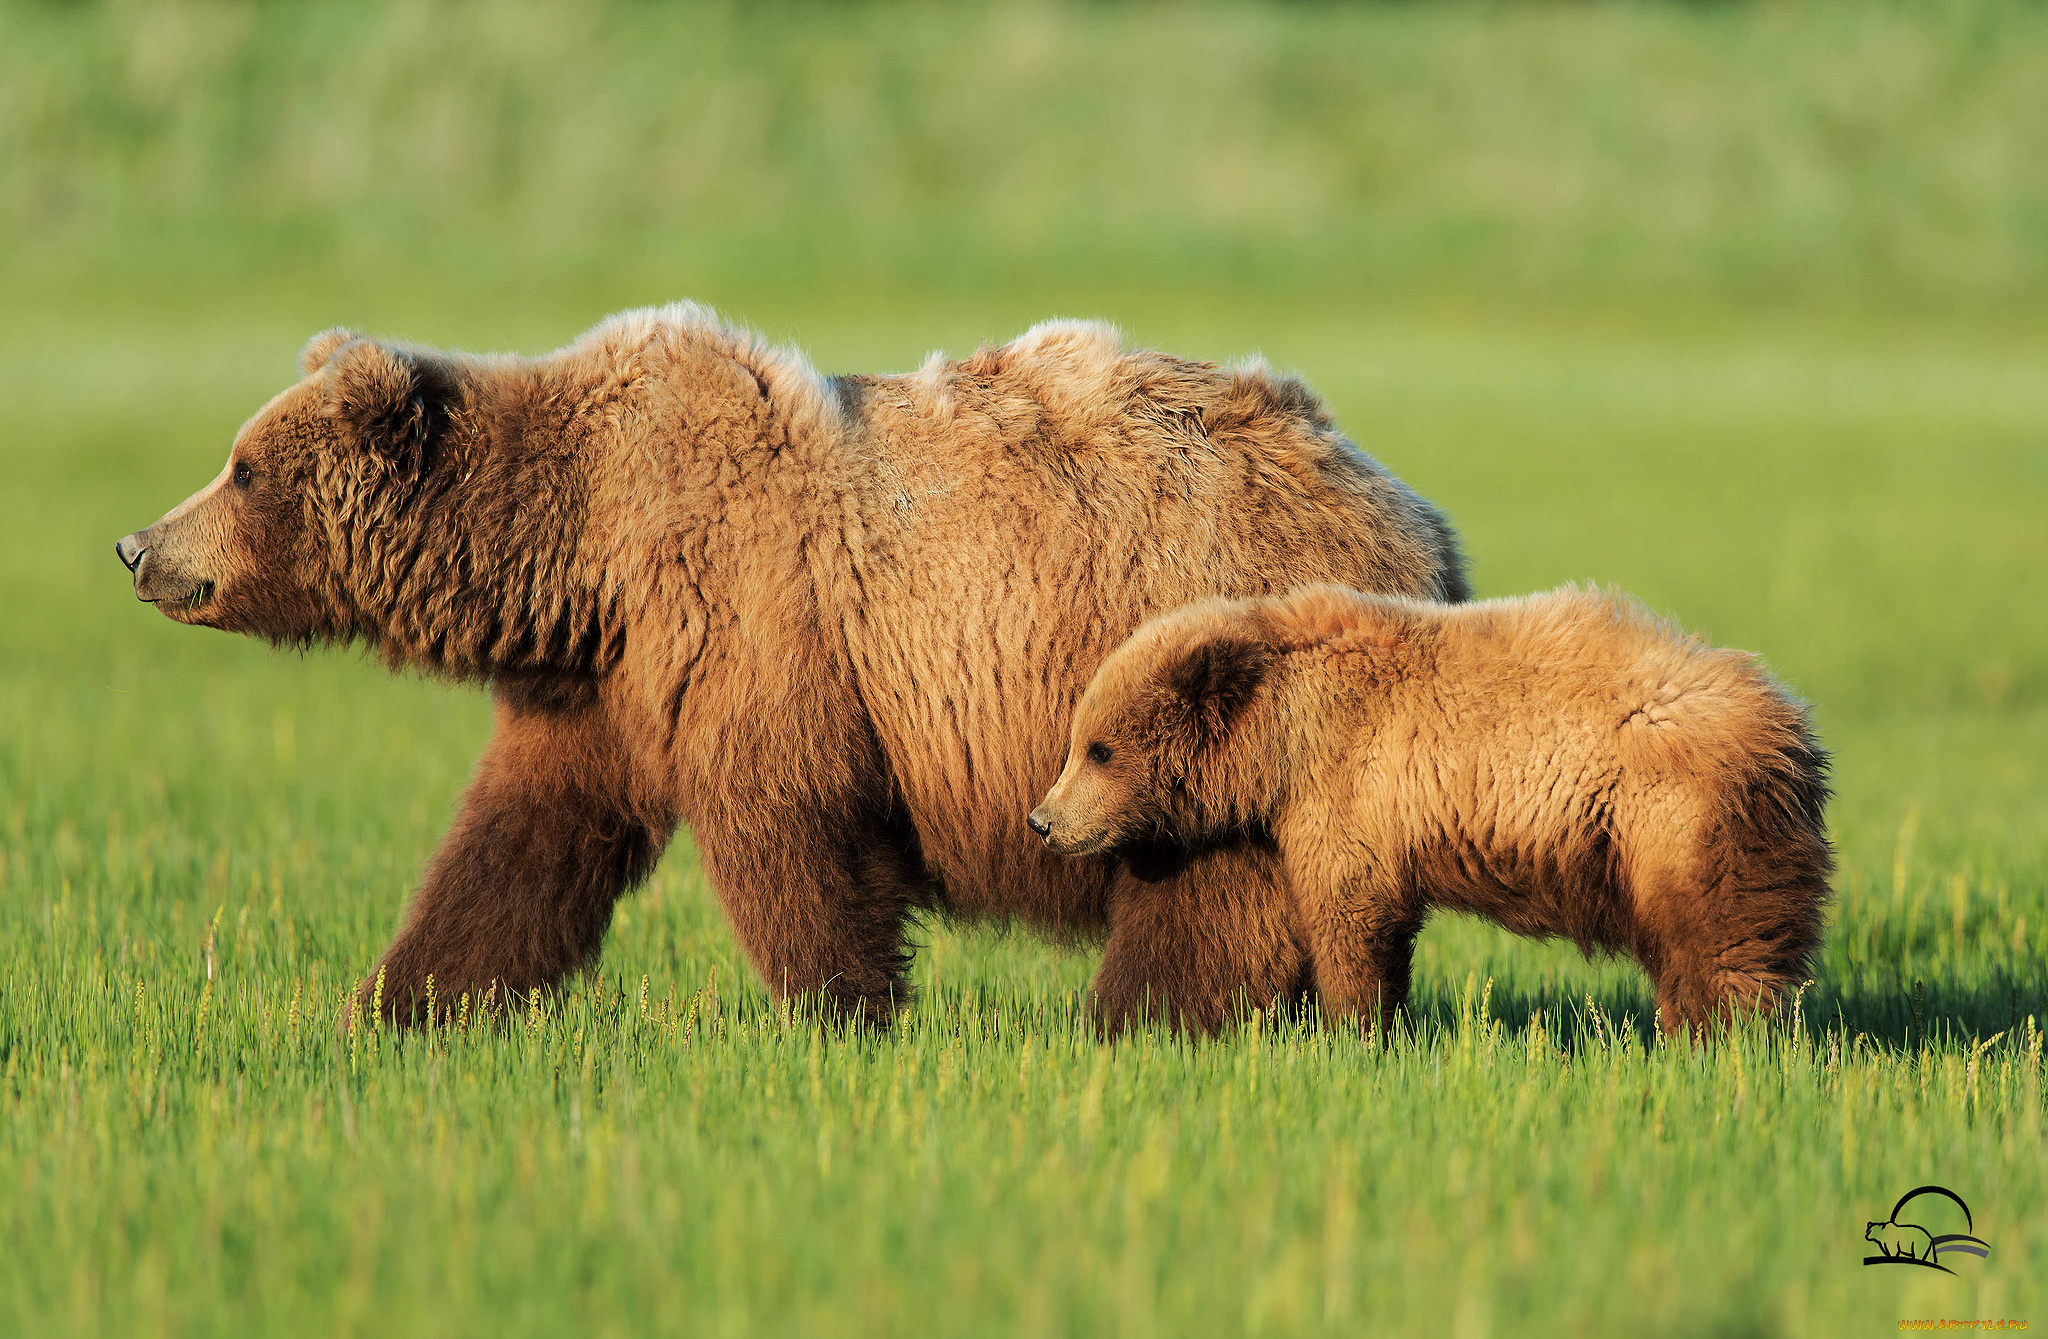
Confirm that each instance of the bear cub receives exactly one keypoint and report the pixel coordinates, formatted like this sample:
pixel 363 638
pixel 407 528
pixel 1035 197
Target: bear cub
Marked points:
pixel 1561 764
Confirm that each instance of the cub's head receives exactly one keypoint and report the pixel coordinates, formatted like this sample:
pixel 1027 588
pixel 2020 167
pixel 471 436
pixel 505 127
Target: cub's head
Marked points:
pixel 1150 753
pixel 263 548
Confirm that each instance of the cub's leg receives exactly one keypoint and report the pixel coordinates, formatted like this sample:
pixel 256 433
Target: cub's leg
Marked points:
pixel 1361 927
pixel 1733 928
pixel 521 891
pixel 1197 939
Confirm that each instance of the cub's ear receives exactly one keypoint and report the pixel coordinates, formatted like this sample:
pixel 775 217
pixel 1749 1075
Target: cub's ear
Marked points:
pixel 1215 677
pixel 388 397
pixel 322 346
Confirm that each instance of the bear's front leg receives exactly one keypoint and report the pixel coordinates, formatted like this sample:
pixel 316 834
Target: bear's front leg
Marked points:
pixel 521 891
pixel 1198 938
pixel 1362 926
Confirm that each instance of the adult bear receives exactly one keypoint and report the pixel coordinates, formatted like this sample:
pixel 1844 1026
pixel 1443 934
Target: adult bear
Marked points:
pixel 833 624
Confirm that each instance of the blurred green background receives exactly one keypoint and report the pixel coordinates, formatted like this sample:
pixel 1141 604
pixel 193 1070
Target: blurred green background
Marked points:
pixel 1861 156
pixel 1738 306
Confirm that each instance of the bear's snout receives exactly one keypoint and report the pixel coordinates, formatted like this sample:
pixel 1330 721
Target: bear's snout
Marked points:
pixel 1062 833
pixel 144 563
pixel 162 574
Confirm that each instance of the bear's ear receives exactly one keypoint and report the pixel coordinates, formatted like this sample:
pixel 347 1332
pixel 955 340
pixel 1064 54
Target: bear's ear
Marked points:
pixel 388 399
pixel 322 346
pixel 1215 676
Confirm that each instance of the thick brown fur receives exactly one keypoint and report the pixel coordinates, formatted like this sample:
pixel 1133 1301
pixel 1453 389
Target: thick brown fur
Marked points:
pixel 1562 764
pixel 826 622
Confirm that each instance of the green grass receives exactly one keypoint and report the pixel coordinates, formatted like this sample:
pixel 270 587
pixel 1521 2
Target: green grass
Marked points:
pixel 1819 449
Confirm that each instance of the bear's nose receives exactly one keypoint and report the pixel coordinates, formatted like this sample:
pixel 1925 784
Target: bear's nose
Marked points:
pixel 1039 825
pixel 128 548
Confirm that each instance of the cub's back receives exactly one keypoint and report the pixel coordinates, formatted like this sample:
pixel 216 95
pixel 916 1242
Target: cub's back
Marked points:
pixel 1583 686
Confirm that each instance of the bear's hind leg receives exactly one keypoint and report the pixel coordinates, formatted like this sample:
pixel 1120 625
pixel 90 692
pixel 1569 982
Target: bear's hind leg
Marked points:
pixel 1738 940
pixel 820 908
pixel 1775 900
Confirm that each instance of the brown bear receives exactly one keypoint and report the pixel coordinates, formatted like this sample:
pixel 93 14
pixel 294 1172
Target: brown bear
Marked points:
pixel 1563 764
pixel 821 620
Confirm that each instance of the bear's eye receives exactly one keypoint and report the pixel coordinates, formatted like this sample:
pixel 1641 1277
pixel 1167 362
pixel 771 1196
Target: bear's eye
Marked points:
pixel 1098 753
pixel 243 474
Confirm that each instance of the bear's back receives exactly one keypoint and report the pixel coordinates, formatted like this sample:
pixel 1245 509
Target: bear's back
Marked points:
pixel 1164 441
pixel 1597 685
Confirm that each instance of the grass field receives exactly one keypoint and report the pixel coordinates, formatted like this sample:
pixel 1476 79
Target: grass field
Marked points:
pixel 1835 456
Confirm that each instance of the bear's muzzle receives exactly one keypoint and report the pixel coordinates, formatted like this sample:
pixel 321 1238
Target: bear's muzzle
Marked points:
pixel 179 594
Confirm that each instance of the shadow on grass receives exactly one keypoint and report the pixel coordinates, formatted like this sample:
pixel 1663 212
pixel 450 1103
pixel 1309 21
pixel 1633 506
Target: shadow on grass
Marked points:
pixel 1930 1010
pixel 1926 1012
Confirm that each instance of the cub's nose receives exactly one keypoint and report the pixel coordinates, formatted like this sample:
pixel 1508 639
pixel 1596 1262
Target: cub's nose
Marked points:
pixel 1039 825
pixel 128 548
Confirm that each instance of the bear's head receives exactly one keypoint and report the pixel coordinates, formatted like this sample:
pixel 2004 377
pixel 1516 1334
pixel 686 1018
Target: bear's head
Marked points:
pixel 266 547
pixel 1153 748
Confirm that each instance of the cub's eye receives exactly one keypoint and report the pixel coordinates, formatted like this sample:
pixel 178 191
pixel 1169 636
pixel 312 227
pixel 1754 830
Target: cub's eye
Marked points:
pixel 1098 753
pixel 243 474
